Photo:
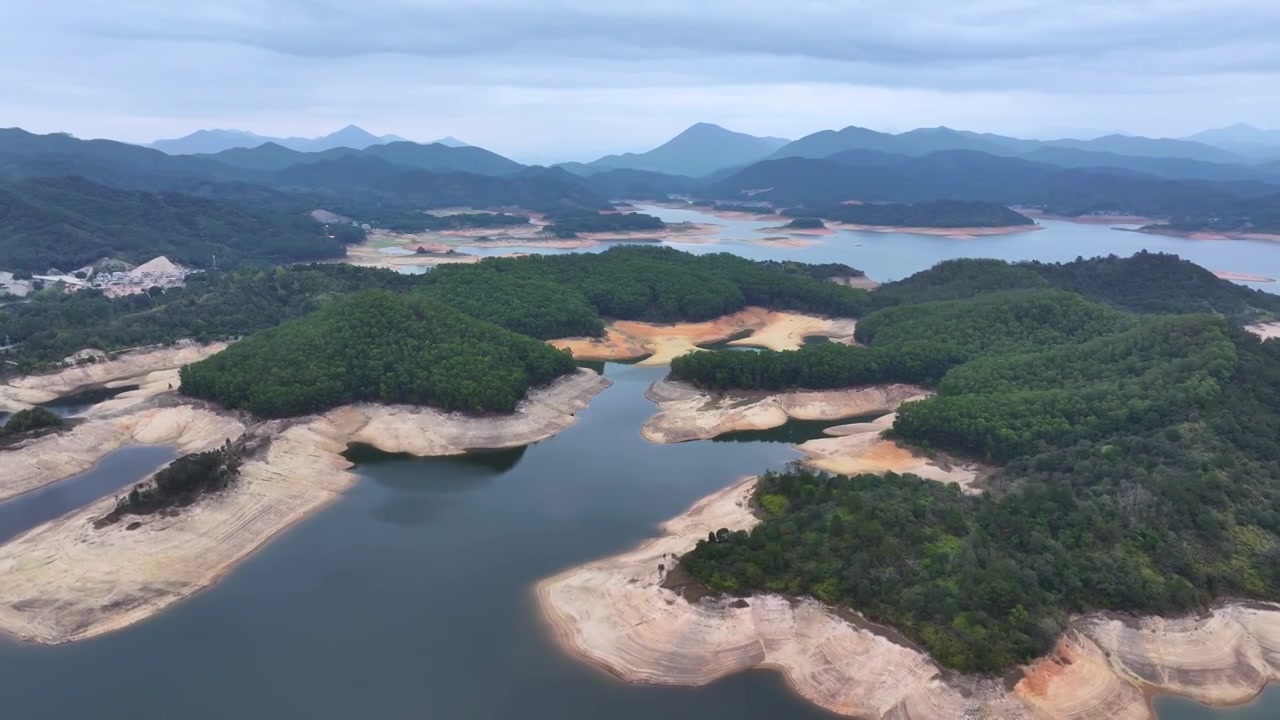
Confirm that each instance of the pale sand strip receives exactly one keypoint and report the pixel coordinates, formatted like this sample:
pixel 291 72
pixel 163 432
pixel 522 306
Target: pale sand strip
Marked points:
pixel 66 581
pixel 627 340
pixel 1266 331
pixel 615 613
pixel 686 413
pixel 127 369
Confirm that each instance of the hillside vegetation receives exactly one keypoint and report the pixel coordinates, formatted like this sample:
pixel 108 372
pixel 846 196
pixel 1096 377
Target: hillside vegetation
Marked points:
pixel 376 346
pixel 936 214
pixel 67 223
pixel 1136 460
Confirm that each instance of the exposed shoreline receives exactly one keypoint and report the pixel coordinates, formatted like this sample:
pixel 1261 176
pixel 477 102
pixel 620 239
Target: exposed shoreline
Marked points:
pixel 1265 331
pixel 1206 235
pixel 686 413
pixel 1241 277
pixel 962 233
pixel 616 614
pixel 659 343
pixel 142 367
pixel 66 580
pixel 1091 219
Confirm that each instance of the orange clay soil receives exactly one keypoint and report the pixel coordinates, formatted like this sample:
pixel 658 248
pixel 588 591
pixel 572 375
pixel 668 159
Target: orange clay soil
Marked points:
pixel 658 344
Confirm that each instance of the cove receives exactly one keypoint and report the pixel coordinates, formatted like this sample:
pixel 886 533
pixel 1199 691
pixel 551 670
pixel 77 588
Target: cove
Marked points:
pixel 412 597
pixel 112 474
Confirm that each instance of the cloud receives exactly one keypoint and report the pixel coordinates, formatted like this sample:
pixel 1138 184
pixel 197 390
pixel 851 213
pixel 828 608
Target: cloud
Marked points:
pixel 576 74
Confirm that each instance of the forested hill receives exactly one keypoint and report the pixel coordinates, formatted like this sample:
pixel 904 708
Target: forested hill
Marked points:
pixel 1146 282
pixel 976 176
pixel 70 222
pixel 936 214
pixel 544 295
pixel 377 346
pixel 374 179
pixel 540 296
pixel 1135 455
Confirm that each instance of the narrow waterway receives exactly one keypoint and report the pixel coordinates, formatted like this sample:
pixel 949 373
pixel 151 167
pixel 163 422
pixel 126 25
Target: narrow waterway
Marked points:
pixel 412 596
pixel 110 476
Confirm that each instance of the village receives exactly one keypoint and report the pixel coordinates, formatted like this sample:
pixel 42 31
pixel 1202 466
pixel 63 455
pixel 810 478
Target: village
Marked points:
pixel 159 272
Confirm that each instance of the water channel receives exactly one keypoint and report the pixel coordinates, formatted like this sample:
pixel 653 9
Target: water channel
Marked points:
pixel 411 597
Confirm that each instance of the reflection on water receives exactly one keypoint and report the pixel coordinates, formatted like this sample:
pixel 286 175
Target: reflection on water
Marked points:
pixel 888 256
pixel 486 461
pixel 80 402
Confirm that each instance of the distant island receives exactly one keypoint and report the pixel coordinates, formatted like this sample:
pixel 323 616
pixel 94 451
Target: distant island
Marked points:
pixel 951 215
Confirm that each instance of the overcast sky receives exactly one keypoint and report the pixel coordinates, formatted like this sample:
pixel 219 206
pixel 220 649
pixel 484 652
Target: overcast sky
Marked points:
pixel 571 79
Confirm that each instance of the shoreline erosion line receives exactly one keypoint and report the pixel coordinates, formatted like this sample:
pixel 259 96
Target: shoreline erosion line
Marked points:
pixel 615 614
pixel 66 580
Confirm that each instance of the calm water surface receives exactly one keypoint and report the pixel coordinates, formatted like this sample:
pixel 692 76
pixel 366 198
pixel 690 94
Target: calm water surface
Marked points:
pixel 411 597
pixel 892 256
pixel 111 475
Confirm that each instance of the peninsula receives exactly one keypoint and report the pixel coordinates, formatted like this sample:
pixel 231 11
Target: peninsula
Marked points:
pixel 434 366
pixel 1026 385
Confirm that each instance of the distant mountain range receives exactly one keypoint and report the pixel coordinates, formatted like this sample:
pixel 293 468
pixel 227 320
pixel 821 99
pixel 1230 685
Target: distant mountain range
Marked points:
pixel 208 142
pixel 927 140
pixel 1242 139
pixel 436 156
pixel 272 184
pixel 700 150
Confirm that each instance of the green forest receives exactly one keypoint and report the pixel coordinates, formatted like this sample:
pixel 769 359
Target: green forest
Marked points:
pixel 376 346
pixel 409 221
pixel 541 296
pixel 1136 459
pixel 568 223
pixel 212 306
pixel 67 223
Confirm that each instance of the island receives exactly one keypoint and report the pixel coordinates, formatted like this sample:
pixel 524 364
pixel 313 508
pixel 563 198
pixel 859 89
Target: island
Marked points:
pixel 1082 440
pixel 955 218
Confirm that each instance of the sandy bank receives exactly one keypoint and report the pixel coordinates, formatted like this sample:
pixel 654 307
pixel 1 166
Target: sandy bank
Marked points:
pixel 862 282
pixel 1207 235
pixel 46 460
pixel 1242 277
pixel 958 233
pixel 131 368
pixel 686 413
pixel 799 231
pixel 627 340
pixel 1091 219
pixel 859 448
pixel 784 242
pixel 66 580
pixel 615 613
pixel 1266 331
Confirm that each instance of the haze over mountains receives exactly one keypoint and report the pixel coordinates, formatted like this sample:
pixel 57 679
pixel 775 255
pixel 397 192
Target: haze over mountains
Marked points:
pixel 215 141
pixel 57 186
pixel 701 150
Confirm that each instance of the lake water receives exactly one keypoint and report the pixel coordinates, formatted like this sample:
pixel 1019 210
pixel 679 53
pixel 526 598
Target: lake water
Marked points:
pixel 892 256
pixel 109 477
pixel 411 597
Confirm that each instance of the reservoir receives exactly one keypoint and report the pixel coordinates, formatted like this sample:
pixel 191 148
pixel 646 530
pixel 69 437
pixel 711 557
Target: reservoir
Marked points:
pixel 412 596
pixel 889 256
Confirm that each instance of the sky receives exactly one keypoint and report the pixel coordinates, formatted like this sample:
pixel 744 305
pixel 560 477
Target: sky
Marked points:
pixel 574 79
